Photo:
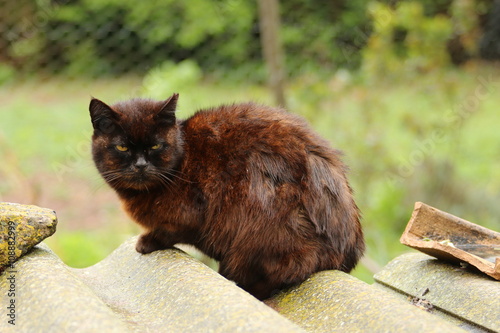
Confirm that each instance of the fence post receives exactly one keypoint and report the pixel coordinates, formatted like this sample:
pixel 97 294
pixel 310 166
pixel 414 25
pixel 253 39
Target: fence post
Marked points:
pixel 269 24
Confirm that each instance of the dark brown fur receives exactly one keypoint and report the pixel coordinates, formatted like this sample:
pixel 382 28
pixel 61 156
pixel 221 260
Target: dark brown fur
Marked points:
pixel 251 186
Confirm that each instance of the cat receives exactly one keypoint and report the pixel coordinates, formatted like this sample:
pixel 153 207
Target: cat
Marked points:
pixel 250 185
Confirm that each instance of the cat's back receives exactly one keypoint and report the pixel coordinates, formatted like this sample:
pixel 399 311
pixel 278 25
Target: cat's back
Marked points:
pixel 247 147
pixel 248 126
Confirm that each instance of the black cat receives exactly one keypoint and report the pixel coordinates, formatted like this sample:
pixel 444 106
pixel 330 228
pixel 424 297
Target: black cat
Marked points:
pixel 252 186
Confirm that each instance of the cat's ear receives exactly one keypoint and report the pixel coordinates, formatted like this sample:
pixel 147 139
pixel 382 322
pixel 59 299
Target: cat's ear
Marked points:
pixel 103 117
pixel 167 112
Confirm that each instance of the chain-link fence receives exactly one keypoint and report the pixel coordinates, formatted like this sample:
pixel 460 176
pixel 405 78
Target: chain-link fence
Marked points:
pixel 89 37
pixel 117 37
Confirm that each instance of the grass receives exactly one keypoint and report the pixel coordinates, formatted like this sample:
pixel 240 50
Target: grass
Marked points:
pixel 430 138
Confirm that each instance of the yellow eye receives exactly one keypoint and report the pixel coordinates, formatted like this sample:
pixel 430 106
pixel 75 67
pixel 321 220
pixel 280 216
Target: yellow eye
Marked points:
pixel 121 148
pixel 155 147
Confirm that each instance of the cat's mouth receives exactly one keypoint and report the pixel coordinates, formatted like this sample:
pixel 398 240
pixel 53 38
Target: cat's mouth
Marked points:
pixel 141 180
pixel 136 180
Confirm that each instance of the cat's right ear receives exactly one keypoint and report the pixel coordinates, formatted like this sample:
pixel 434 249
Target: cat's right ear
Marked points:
pixel 103 117
pixel 167 112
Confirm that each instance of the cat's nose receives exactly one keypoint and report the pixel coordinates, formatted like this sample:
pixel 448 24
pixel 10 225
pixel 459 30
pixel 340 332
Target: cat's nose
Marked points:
pixel 141 163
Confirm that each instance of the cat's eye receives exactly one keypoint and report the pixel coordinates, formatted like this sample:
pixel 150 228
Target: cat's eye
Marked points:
pixel 121 148
pixel 156 146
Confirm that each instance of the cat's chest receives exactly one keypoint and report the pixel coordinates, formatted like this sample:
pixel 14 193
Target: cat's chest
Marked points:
pixel 144 208
pixel 162 208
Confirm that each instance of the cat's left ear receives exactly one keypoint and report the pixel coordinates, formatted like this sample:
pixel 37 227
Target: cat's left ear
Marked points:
pixel 167 112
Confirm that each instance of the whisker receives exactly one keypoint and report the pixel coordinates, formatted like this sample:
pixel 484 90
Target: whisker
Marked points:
pixel 164 181
pixel 172 172
pixel 165 178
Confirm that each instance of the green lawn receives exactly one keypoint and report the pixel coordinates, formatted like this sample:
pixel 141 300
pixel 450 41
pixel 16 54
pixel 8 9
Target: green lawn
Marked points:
pixel 431 138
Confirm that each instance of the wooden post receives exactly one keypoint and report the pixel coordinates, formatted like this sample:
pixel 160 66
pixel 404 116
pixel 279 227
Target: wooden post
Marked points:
pixel 269 24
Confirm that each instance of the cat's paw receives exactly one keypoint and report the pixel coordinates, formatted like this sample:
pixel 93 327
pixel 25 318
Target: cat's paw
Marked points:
pixel 147 244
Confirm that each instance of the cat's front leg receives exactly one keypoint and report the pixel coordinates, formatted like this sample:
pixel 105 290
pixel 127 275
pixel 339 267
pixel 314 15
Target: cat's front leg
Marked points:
pixel 153 241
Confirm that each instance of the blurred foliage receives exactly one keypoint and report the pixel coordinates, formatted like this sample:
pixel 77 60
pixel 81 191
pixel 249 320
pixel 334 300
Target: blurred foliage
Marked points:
pixel 94 37
pixel 168 77
pixel 6 73
pixel 468 19
pixel 405 40
pixel 98 37
pixel 323 36
pixel 490 43
pixel 155 31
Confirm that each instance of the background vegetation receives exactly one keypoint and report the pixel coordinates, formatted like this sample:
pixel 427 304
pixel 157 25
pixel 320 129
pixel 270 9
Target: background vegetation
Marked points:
pixel 407 89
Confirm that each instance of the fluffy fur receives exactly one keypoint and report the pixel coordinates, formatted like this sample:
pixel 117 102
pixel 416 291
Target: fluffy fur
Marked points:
pixel 251 186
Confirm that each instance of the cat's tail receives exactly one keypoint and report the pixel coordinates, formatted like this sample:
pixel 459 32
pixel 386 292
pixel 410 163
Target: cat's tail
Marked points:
pixel 330 206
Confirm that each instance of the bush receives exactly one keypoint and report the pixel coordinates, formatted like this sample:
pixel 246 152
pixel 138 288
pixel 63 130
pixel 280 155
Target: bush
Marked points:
pixel 167 78
pixel 91 37
pixel 405 40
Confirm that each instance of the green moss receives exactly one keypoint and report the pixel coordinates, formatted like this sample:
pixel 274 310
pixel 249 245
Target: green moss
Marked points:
pixel 332 301
pixel 21 228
